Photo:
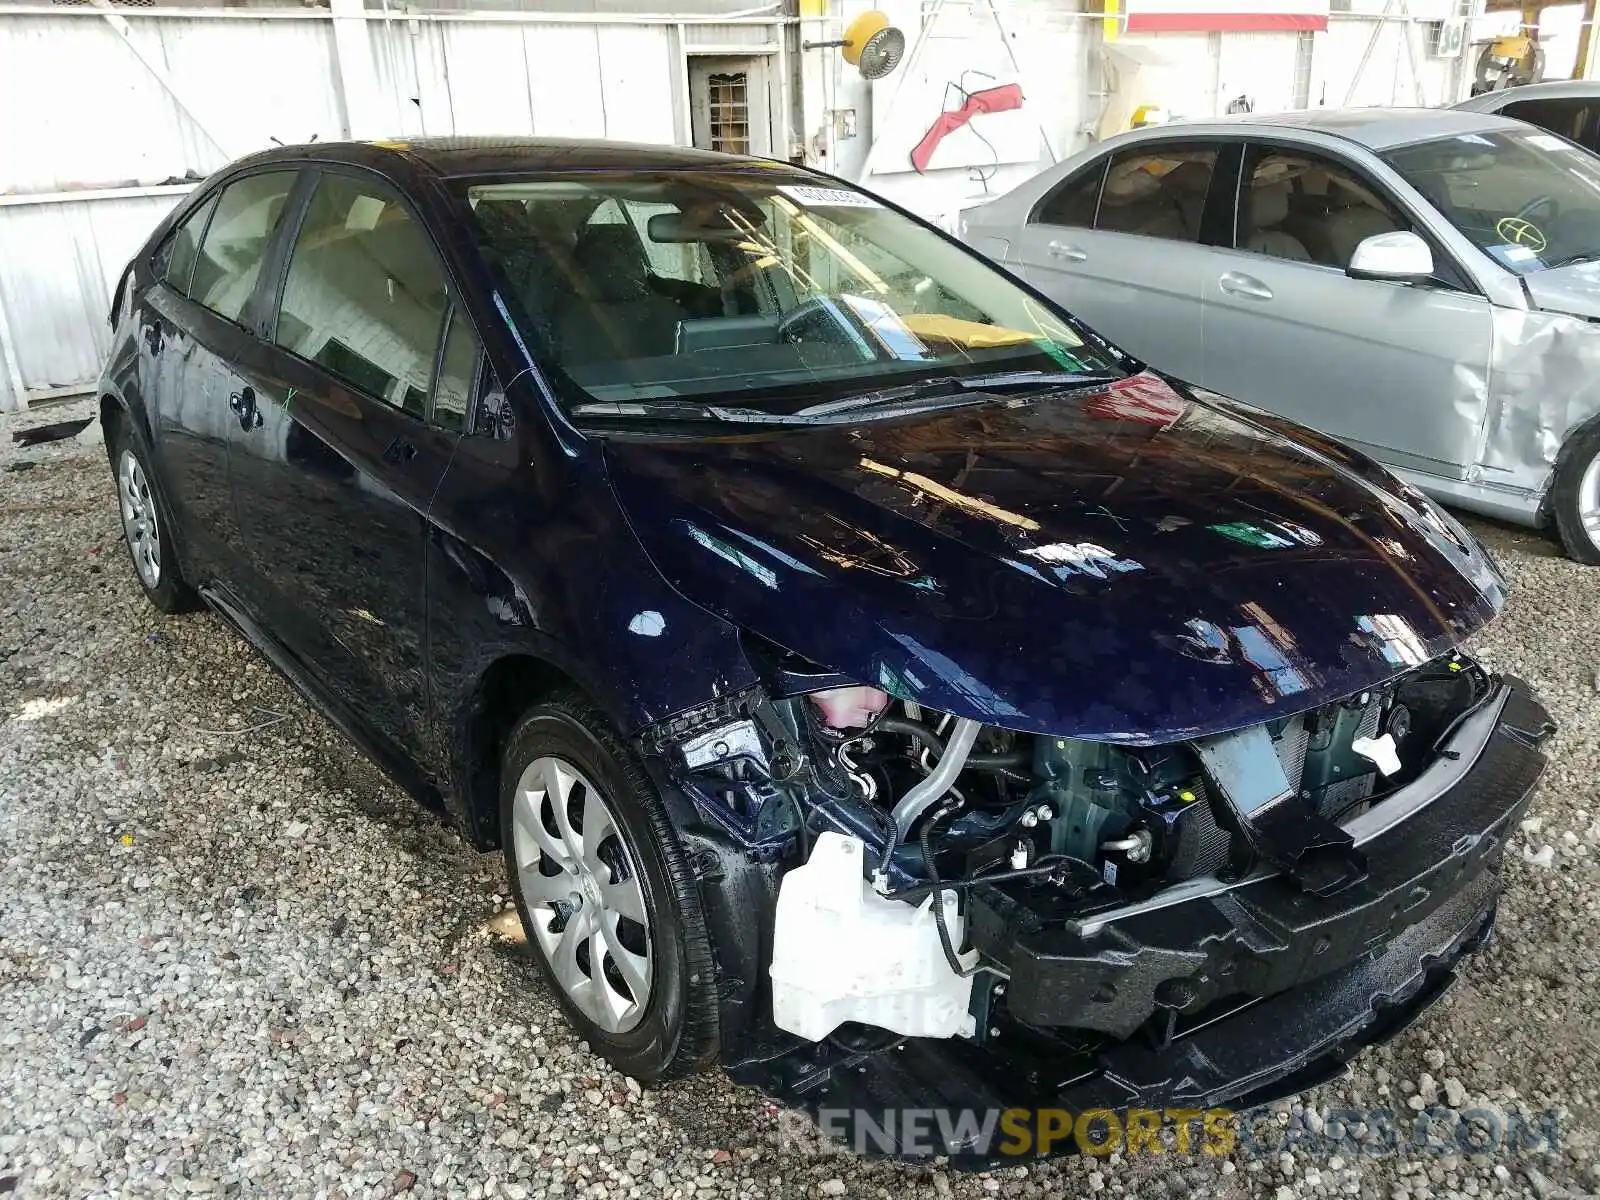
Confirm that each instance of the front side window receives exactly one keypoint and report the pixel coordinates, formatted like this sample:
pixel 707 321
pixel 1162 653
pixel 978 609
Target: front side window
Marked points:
pixel 364 297
pixel 174 262
pixel 1158 192
pixel 1530 201
pixel 1302 206
pixel 758 285
pixel 247 215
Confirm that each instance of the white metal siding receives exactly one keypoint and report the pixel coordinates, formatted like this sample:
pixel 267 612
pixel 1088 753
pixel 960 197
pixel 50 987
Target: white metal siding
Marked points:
pixel 85 113
pixel 61 262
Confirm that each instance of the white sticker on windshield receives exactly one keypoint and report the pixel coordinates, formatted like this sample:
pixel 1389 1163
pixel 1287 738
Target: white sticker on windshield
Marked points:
pixel 1546 141
pixel 826 197
pixel 1518 253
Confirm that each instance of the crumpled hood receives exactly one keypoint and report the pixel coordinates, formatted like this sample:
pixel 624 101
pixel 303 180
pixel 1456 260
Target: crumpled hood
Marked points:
pixel 1129 564
pixel 1574 290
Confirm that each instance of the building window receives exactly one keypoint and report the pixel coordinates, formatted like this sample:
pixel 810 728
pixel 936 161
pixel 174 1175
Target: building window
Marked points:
pixel 730 112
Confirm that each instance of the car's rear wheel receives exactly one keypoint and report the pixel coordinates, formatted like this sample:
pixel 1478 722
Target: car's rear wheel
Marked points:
pixel 145 525
pixel 1575 495
pixel 605 893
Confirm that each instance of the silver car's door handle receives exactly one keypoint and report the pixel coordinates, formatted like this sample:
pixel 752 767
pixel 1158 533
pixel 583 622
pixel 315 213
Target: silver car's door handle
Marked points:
pixel 1068 251
pixel 1237 283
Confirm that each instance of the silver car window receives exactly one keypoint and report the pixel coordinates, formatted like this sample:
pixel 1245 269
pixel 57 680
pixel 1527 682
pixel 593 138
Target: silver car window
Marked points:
pixel 1530 201
pixel 1303 206
pixel 1158 192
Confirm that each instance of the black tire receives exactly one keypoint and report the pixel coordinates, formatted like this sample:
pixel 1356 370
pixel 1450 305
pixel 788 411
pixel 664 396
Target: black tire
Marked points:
pixel 677 1033
pixel 1577 457
pixel 169 591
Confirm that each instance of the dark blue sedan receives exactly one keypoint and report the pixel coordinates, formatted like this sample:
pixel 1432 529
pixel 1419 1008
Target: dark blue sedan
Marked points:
pixel 878 682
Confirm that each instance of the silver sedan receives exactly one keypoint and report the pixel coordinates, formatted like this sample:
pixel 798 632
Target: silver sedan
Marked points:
pixel 1422 284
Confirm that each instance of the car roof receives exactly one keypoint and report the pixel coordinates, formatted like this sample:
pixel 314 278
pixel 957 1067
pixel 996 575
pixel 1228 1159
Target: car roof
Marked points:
pixel 1374 128
pixel 1555 89
pixel 458 156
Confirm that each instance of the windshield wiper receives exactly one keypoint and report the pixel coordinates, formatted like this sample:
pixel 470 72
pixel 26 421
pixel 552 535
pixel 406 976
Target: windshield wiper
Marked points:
pixel 689 410
pixel 943 392
pixel 1572 260
pixel 959 390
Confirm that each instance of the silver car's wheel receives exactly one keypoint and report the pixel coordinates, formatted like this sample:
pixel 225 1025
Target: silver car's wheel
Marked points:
pixel 1574 500
pixel 580 883
pixel 1589 501
pixel 139 521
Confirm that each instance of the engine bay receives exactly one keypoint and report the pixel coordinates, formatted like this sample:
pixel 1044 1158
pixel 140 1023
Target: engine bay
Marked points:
pixel 913 845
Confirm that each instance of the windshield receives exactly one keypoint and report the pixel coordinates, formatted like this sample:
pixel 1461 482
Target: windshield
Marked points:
pixel 1531 201
pixel 753 286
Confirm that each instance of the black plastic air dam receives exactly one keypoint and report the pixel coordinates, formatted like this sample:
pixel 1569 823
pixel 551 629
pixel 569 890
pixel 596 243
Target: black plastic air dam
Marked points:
pixel 1276 1046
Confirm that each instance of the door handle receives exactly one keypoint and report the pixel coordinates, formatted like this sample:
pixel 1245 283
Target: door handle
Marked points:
pixel 1237 283
pixel 1067 251
pixel 243 404
pixel 399 452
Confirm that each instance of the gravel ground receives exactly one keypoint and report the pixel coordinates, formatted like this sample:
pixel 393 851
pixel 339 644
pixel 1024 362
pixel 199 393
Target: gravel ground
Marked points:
pixel 235 960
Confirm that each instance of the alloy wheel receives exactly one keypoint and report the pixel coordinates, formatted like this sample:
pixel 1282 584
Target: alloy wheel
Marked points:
pixel 139 522
pixel 582 890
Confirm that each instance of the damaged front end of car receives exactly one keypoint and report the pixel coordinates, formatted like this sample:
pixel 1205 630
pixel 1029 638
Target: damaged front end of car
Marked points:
pixel 915 908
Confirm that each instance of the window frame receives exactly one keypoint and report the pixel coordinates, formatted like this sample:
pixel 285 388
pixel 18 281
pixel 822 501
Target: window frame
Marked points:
pixel 1449 274
pixel 289 237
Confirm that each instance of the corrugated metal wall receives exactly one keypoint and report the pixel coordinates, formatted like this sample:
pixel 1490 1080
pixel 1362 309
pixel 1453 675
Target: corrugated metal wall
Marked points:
pixel 84 113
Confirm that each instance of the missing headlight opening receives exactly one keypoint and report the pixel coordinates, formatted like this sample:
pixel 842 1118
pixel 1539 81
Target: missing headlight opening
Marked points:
pixel 938 877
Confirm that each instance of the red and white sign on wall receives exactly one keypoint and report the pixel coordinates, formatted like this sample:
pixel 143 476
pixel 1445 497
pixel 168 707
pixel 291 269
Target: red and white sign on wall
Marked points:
pixel 1228 16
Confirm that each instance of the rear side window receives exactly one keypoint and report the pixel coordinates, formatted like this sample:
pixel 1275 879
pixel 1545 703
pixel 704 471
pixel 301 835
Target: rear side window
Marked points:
pixel 1157 192
pixel 1073 202
pixel 365 296
pixel 174 262
pixel 247 215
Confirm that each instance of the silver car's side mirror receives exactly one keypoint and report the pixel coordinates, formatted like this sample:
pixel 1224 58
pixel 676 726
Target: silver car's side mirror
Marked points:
pixel 1400 256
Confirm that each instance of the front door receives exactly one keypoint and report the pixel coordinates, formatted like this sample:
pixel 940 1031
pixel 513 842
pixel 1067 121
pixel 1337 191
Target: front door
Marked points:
pixel 334 479
pixel 1397 369
pixel 1120 246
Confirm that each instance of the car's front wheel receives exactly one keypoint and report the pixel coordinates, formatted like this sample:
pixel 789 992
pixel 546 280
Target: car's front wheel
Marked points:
pixel 1575 495
pixel 145 525
pixel 606 894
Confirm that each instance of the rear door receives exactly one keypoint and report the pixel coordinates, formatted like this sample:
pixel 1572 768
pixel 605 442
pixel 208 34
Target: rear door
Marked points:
pixel 1121 244
pixel 334 480
pixel 1388 366
pixel 204 353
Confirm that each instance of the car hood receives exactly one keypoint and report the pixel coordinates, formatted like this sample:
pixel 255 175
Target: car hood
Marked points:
pixel 1574 290
pixel 1130 564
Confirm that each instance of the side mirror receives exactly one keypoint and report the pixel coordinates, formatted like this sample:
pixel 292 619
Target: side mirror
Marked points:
pixel 1401 257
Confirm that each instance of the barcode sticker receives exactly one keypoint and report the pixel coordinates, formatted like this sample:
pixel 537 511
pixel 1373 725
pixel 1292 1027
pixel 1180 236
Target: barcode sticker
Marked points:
pixel 827 197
